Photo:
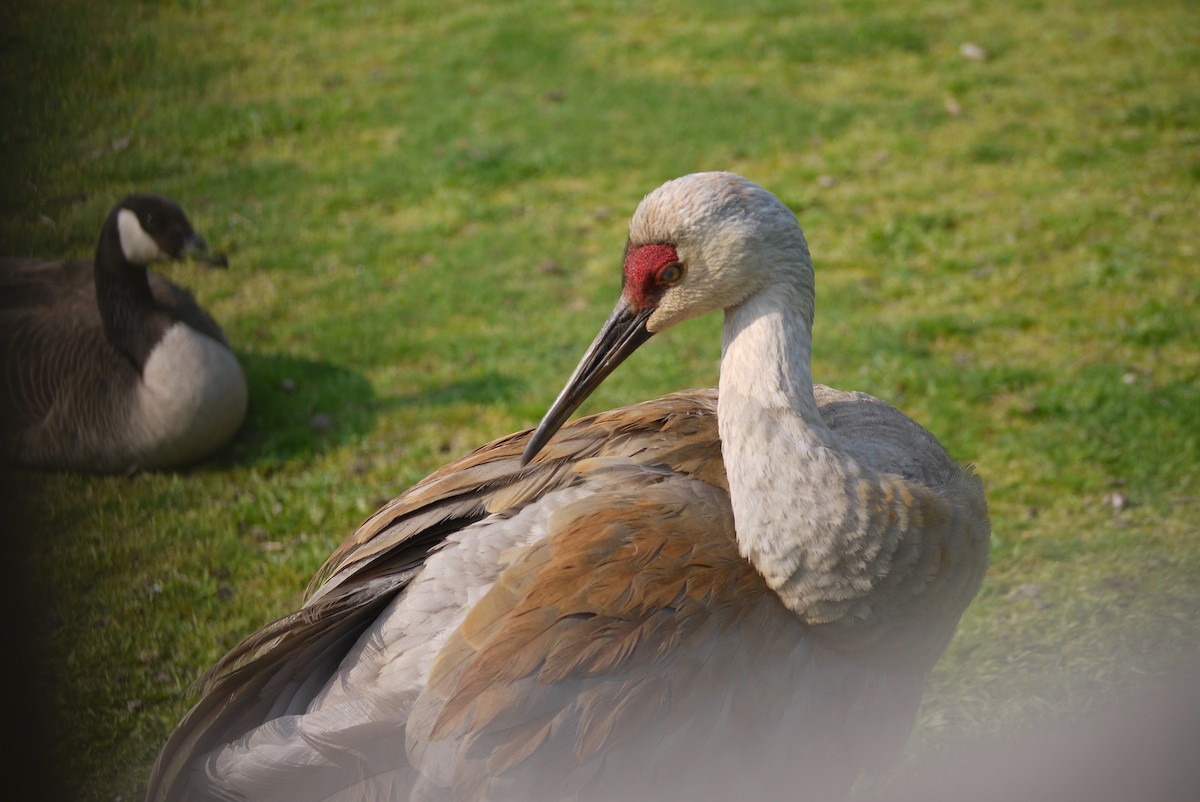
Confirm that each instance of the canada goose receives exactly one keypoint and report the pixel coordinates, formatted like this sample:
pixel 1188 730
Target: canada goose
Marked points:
pixel 109 367
pixel 714 595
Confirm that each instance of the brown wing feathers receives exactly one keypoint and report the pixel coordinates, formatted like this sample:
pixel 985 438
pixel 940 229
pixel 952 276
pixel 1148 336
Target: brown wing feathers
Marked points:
pixel 378 560
pixel 576 632
pixel 678 430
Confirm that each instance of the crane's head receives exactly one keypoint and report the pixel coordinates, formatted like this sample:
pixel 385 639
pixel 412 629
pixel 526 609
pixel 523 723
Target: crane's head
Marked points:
pixel 697 244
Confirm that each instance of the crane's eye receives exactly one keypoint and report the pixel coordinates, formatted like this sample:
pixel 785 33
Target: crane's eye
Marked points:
pixel 670 274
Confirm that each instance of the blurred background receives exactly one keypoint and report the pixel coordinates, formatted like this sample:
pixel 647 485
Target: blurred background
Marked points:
pixel 424 207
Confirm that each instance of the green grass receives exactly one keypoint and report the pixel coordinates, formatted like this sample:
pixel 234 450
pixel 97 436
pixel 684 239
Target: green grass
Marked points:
pixel 424 208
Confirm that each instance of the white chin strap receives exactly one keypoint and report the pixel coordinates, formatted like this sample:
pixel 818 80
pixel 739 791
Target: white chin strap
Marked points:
pixel 139 247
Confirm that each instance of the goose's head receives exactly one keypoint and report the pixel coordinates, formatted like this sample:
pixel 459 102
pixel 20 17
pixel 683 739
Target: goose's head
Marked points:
pixel 697 244
pixel 151 228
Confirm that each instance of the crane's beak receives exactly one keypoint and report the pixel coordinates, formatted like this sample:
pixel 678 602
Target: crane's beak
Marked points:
pixel 621 335
pixel 194 247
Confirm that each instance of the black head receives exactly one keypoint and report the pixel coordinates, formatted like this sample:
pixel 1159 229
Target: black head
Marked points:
pixel 153 228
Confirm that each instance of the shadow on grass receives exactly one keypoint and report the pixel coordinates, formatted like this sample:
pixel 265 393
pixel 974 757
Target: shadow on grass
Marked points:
pixel 301 407
pixel 298 407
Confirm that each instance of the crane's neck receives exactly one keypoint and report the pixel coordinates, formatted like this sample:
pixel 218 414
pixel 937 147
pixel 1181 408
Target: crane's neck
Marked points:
pixel 766 352
pixel 789 482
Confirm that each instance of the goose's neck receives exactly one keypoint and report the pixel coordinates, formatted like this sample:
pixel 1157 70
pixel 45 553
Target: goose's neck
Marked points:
pixel 788 480
pixel 127 306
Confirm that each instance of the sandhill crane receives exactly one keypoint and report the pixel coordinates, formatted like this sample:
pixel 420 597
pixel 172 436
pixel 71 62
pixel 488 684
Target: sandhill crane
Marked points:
pixel 706 596
pixel 108 366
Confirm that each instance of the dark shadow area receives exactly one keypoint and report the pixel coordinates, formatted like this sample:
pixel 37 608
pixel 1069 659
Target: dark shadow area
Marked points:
pixel 28 704
pixel 298 407
pixel 301 407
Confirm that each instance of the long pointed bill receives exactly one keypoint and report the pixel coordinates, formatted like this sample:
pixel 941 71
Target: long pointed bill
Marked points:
pixel 620 336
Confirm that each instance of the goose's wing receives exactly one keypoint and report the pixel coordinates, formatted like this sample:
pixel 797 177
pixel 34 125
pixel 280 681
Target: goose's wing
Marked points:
pixel 57 367
pixel 181 305
pixel 34 283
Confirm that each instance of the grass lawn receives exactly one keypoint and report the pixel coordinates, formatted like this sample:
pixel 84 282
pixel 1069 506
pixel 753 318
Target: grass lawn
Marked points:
pixel 424 206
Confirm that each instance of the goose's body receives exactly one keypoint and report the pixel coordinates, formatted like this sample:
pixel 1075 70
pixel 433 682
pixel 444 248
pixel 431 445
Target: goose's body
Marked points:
pixel 108 366
pixel 692 598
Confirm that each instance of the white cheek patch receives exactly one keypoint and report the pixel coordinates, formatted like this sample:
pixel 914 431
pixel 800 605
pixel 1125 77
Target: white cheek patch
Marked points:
pixel 139 247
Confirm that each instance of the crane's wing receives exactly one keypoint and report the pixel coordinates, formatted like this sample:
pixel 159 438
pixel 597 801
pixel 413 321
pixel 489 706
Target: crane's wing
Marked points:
pixel 624 649
pixel 283 666
pixel 630 654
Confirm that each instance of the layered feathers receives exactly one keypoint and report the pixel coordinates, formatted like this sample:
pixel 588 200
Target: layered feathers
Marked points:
pixel 631 625
pixel 699 597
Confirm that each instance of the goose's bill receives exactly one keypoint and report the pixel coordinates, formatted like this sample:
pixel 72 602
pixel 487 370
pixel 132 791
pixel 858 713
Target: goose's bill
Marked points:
pixel 620 336
pixel 194 247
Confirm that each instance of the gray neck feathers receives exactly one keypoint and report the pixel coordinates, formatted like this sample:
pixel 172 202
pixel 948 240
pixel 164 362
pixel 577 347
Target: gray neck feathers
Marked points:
pixel 793 491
